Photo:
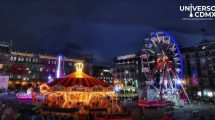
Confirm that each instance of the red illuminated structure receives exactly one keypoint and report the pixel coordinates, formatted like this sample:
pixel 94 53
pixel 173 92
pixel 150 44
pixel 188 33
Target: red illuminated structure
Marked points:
pixel 162 65
pixel 80 90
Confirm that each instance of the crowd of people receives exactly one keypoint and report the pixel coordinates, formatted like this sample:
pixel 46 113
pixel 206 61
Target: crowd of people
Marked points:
pixel 44 115
pixel 7 112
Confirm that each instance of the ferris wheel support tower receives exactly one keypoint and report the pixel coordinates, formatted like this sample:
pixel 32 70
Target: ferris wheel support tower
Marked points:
pixel 162 64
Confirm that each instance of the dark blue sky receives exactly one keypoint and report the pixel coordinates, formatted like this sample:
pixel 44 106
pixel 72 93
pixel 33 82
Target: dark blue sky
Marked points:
pixel 105 29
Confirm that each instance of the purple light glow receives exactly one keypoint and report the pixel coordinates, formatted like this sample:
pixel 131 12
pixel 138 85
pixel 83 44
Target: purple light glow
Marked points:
pixel 58 67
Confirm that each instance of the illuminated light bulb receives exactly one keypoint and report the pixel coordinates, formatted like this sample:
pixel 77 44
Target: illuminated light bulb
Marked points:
pixel 210 94
pixel 199 93
pixel 50 79
pixel 178 81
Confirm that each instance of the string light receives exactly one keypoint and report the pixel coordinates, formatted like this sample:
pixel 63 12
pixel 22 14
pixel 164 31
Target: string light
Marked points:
pixel 68 97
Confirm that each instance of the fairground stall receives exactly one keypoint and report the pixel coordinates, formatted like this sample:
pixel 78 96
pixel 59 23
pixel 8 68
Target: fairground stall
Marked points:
pixel 79 90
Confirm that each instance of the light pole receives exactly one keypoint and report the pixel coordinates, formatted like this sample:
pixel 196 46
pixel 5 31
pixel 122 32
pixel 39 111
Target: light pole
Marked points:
pixel 125 82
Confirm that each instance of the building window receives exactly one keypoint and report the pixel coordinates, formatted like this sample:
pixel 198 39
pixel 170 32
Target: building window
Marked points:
pixel 202 54
pixel 11 58
pixel 19 76
pixel 202 61
pixel 19 59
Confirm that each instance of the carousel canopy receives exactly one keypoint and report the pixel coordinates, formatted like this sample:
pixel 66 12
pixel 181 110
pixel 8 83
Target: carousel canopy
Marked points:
pixel 78 78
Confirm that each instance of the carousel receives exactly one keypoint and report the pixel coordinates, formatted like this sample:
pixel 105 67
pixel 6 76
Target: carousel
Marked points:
pixel 79 90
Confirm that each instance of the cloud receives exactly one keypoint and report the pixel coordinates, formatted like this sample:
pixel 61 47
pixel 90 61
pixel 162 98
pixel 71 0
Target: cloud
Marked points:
pixel 105 29
pixel 73 47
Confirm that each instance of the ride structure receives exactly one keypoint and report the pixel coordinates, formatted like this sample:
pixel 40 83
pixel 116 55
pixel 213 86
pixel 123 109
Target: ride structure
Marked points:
pixel 79 90
pixel 163 68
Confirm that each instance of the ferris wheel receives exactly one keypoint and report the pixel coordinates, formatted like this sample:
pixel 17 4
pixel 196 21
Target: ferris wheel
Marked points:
pixel 162 62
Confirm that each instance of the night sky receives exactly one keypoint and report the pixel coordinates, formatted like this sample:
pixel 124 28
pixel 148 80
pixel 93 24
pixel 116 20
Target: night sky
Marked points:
pixel 105 29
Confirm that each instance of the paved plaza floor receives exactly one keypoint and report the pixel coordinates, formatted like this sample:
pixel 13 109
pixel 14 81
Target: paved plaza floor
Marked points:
pixel 187 112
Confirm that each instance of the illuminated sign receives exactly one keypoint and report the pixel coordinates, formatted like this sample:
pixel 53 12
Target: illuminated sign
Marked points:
pixel 4 82
pixel 126 57
pixel 105 70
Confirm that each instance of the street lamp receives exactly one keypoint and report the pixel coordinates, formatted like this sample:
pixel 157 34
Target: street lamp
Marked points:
pixel 125 82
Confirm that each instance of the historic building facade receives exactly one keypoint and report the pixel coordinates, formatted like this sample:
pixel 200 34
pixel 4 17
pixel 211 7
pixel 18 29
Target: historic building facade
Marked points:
pixel 103 73
pixel 29 67
pixel 126 73
pixel 199 64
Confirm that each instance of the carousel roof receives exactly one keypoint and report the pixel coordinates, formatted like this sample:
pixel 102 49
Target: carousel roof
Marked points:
pixel 78 78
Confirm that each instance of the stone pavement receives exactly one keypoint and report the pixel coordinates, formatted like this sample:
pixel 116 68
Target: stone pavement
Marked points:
pixel 188 112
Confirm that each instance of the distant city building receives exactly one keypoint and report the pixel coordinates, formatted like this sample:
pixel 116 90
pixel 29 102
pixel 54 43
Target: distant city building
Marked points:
pixel 30 67
pixel 126 73
pixel 199 64
pixel 88 63
pixel 103 73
